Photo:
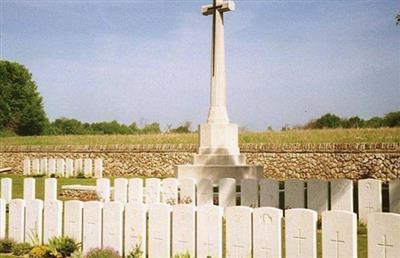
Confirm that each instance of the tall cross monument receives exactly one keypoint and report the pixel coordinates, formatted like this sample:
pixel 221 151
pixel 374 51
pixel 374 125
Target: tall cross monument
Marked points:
pixel 219 155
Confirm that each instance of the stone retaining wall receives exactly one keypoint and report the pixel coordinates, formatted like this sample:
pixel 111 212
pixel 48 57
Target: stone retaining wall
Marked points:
pixel 327 161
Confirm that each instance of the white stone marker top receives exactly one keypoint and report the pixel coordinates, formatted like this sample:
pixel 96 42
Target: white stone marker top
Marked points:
pixel 152 190
pixel 98 168
pixel 339 234
pixel 238 231
pixel 73 215
pixel 204 192
pixel 159 230
pixel 52 167
pixel 227 192
pixel 50 189
pixel 294 194
pixel 27 167
pixel 33 221
pixel 69 168
pixel 249 193
pixel 16 220
pixel 113 225
pixel 169 193
pixel 384 235
pixel 52 214
pixel 135 190
pixel 317 195
pixel 29 189
pixel 6 189
pixel 394 195
pixel 103 189
pixel 121 190
pixel 88 167
pixel 267 232
pixel 2 218
pixel 183 229
pixel 269 193
pixel 342 195
pixel 78 166
pixel 187 192
pixel 301 233
pixel 369 198
pixel 209 231
pixel 135 227
pixel 92 211
pixel 35 167
pixel 43 166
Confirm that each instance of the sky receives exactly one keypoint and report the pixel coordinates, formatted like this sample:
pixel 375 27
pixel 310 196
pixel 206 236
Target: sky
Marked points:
pixel 149 61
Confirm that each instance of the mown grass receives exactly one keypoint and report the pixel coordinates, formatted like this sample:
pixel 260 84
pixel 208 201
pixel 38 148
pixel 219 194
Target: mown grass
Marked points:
pixel 381 135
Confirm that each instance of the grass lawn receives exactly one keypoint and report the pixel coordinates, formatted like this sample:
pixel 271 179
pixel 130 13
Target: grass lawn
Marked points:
pixel 381 135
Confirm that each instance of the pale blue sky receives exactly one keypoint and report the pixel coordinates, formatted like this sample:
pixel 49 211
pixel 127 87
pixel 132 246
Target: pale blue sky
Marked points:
pixel 144 61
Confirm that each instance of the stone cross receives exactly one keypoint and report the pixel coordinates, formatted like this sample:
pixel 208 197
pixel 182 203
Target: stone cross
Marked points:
pixel 337 242
pixel 299 237
pixel 218 112
pixel 385 245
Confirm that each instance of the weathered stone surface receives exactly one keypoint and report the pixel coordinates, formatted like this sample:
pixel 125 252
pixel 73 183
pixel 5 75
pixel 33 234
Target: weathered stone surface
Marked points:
pixel 238 231
pixel 98 168
pixel 52 167
pixel 159 230
pixel 73 214
pixel 169 191
pixel 383 235
pixel 60 167
pixel 183 229
pixel 267 232
pixel 339 234
pixel 103 189
pixel 135 227
pixel 209 231
pixel 369 198
pixel 249 193
pixel 33 221
pixel 204 192
pixel 394 195
pixel 227 192
pixel 342 195
pixel 113 225
pixel 187 191
pixel 269 193
pixel 301 233
pixel 27 167
pixel 78 167
pixel 2 218
pixel 135 190
pixel 317 195
pixel 29 189
pixel 294 194
pixel 50 189
pixel 16 223
pixel 153 190
pixel 121 190
pixel 92 225
pixel 53 211
pixel 43 166
pixel 88 167
pixel 69 168
pixel 35 167
pixel 6 189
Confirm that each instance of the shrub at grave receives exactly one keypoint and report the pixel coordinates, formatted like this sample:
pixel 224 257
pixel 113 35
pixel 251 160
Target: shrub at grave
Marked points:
pixel 136 252
pixel 41 251
pixel 63 246
pixel 21 249
pixel 6 245
pixel 184 255
pixel 102 253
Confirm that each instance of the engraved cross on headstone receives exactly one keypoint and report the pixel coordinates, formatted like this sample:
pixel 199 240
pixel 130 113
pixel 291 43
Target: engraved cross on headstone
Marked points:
pixel 237 247
pixel 299 237
pixel 337 241
pixel 385 245
pixel 370 207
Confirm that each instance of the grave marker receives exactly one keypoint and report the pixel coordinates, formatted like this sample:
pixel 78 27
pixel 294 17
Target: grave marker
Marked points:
pixel 103 190
pixel 187 188
pixel 342 195
pixel 152 190
pixel 73 214
pixel 29 189
pixel 60 167
pixel 88 167
pixel 159 230
pixel 98 168
pixel 227 192
pixel 50 189
pixel 301 233
pixel 169 193
pixel 204 192
pixel 2 218
pixel 35 167
pixel 33 221
pixel 369 198
pixel 294 194
pixel 317 195
pixel 183 229
pixel 267 232
pixel 394 195
pixel 16 223
pixel 52 167
pixel 135 190
pixel 69 168
pixel 113 225
pixel 135 227
pixel 27 167
pixel 269 193
pixel 92 218
pixel 121 190
pixel 384 235
pixel 249 193
pixel 6 189
pixel 238 231
pixel 78 167
pixel 43 166
pixel 339 234
pixel 209 231
pixel 53 211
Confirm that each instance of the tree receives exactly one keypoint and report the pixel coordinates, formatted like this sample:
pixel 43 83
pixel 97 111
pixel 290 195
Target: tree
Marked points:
pixel 392 119
pixel 398 19
pixel 184 128
pixel 151 128
pixel 353 122
pixel 21 106
pixel 328 121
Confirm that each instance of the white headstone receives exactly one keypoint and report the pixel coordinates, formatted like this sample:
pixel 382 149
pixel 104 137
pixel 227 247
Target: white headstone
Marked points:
pixel 209 231
pixel 169 192
pixel 88 167
pixel 159 230
pixel 52 167
pixel 78 167
pixel 103 190
pixel 249 193
pixel 339 234
pixel 33 221
pixel 301 233
pixel 6 189
pixel 384 235
pixel 2 219
pixel 92 225
pixel 227 192
pixel 369 198
pixel 73 215
pixel 53 211
pixel 16 223
pixel 29 189
pixel 204 192
pixel 183 229
pixel 135 227
pixel 113 225
pixel 342 195
pixel 135 190
pixel 50 189
pixel 187 194
pixel 152 190
pixel 121 190
pixel 27 167
pixel 317 195
pixel 267 232
pixel 238 231
pixel 35 167
pixel 69 168
pixel 294 194
pixel 43 166
pixel 98 168
pixel 60 167
pixel 269 193
pixel 394 195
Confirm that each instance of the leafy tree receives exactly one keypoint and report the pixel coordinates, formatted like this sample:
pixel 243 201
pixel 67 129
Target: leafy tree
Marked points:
pixel 151 128
pixel 21 106
pixel 353 122
pixel 374 122
pixel 392 119
pixel 184 128
pixel 328 121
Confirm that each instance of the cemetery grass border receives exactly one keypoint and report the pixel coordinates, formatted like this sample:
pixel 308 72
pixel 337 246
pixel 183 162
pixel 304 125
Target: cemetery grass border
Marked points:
pixel 338 136
pixel 17 189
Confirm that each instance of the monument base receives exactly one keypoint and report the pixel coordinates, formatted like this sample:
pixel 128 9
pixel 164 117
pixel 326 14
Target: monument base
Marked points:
pixel 216 172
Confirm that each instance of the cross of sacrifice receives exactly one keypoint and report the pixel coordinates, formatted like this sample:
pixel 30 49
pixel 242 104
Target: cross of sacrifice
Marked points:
pixel 385 245
pixel 337 242
pixel 299 237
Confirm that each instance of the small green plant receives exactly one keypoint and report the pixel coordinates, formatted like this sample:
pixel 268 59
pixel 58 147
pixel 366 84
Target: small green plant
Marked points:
pixel 6 245
pixel 182 255
pixel 21 249
pixel 136 252
pixel 63 246
pixel 102 253
pixel 80 175
pixel 186 200
pixel 40 251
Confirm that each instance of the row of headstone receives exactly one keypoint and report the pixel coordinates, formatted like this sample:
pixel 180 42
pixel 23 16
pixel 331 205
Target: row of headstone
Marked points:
pixel 198 231
pixel 29 189
pixel 263 193
pixel 63 167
